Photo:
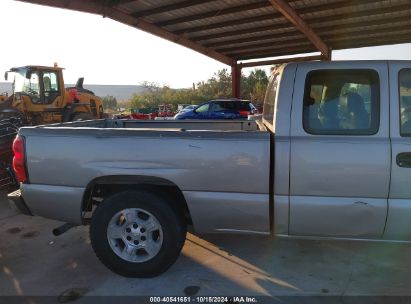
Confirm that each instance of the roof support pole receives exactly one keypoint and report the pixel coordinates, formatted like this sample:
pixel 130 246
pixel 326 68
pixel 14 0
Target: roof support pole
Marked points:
pixel 288 12
pixel 329 55
pixel 236 80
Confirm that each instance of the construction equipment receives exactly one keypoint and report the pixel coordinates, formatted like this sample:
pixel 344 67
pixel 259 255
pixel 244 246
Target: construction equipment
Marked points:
pixel 40 97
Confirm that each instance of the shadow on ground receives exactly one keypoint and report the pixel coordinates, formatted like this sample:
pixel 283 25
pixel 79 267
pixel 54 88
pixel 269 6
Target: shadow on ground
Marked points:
pixel 34 262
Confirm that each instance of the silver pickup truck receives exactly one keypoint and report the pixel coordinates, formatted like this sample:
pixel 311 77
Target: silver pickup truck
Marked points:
pixel 331 158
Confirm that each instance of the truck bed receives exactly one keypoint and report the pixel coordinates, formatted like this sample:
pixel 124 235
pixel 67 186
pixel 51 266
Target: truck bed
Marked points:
pixel 222 165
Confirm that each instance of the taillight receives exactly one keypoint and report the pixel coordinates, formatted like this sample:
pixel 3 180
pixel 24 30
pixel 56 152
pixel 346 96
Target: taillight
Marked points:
pixel 244 113
pixel 18 159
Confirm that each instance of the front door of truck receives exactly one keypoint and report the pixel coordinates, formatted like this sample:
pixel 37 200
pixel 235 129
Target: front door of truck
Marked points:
pixel 399 213
pixel 340 150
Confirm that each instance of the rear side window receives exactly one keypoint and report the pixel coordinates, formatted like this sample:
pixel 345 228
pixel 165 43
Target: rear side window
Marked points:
pixel 341 102
pixel 404 82
pixel 229 105
pixel 245 106
pixel 270 100
pixel 217 106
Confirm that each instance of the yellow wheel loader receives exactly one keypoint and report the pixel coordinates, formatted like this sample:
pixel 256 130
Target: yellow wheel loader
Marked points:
pixel 40 97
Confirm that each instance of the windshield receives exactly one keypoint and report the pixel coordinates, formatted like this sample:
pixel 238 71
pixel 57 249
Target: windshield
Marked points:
pixel 29 86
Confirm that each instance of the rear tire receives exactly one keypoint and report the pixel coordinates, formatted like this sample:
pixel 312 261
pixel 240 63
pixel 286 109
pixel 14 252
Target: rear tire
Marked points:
pixel 133 245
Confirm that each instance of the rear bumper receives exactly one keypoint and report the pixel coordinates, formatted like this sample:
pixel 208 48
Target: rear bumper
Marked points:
pixel 17 202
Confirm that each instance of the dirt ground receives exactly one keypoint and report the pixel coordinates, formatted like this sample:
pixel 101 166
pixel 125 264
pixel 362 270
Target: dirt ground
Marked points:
pixel 33 262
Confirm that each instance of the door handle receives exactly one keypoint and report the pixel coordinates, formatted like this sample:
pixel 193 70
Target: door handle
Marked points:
pixel 404 160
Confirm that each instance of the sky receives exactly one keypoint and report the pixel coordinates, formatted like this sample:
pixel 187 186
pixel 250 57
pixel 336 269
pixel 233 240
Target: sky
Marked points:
pixel 105 51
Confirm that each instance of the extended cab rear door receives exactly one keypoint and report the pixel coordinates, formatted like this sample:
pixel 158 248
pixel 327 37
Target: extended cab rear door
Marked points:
pixel 340 150
pixel 399 212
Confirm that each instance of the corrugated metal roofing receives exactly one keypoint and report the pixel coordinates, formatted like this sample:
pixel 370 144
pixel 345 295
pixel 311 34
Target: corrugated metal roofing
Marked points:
pixel 235 30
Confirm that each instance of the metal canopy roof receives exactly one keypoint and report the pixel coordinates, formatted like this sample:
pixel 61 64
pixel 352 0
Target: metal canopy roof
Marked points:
pixel 234 30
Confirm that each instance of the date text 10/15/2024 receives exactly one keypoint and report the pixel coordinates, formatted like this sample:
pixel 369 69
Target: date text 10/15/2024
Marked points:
pixel 203 299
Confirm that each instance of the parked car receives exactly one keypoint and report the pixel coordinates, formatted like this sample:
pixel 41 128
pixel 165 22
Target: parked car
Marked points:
pixel 182 106
pixel 220 109
pixel 187 108
pixel 331 159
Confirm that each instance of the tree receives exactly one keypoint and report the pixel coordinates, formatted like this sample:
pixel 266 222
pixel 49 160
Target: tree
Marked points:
pixel 253 87
pixel 218 86
pixel 110 102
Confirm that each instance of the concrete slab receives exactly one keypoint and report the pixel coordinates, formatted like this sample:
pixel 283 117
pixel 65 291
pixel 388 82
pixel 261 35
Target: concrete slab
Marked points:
pixel 34 262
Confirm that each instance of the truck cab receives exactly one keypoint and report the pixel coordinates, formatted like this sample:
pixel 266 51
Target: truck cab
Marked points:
pixel 342 149
pixel 38 85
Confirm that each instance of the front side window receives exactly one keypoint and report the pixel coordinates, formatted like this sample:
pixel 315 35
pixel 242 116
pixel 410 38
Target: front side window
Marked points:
pixel 404 82
pixel 341 102
pixel 203 108
pixel 27 84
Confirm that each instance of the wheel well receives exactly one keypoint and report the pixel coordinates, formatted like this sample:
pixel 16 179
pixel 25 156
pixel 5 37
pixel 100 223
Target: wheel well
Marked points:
pixel 101 188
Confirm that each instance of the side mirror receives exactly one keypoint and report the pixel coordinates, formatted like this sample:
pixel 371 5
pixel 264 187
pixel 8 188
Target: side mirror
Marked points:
pixel 28 74
pixel 6 76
